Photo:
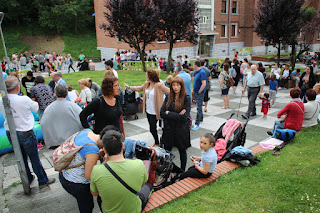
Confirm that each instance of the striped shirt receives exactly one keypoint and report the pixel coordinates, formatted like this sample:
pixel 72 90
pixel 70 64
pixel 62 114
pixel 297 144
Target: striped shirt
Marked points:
pixel 265 103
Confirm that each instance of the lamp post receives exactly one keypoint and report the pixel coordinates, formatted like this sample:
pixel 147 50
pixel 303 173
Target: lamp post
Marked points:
pixel 11 125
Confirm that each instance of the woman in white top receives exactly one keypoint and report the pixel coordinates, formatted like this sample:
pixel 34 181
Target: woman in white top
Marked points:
pixel 285 76
pixel 153 91
pixel 72 94
pixel 85 94
pixel 276 71
pixel 311 109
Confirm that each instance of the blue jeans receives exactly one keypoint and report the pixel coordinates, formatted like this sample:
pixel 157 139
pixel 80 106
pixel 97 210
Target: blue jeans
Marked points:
pixel 277 125
pixel 28 144
pixel 199 101
pixel 81 192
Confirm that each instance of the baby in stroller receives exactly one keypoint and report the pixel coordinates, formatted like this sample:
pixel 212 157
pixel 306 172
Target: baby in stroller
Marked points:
pixel 204 165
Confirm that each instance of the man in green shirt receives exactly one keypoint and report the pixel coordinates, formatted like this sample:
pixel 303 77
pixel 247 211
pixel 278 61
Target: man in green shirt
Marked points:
pixel 115 196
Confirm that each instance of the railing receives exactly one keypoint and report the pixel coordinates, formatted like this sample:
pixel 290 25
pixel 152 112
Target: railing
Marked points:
pixel 137 65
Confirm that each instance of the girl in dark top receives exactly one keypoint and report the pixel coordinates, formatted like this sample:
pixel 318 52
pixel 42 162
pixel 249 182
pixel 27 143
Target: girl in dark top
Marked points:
pixel 236 67
pixel 307 81
pixel 107 108
pixel 175 112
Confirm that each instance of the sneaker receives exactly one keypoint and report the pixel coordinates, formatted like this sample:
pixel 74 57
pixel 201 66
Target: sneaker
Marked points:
pixel 201 122
pixel 269 133
pixel 195 127
pixel 272 106
pixel 50 180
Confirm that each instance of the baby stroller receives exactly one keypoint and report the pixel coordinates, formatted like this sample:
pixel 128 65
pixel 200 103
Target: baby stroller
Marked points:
pixel 215 69
pixel 238 139
pixel 130 106
pixel 148 156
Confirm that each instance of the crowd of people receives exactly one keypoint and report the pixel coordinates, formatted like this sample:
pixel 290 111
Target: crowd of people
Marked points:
pixel 93 119
pixel 45 62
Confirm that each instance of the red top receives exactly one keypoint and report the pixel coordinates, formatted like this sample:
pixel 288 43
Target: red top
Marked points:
pixel 294 111
pixel 265 103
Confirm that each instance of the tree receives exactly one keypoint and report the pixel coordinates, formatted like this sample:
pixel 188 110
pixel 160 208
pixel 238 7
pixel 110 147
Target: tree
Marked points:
pixel 134 22
pixel 309 32
pixel 178 21
pixel 18 11
pixel 64 15
pixel 308 24
pixel 277 21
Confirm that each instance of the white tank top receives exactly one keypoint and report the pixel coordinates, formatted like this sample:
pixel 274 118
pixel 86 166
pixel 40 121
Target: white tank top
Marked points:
pixel 150 102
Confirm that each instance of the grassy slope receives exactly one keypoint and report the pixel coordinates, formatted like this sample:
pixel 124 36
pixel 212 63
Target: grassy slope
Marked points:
pixel 86 43
pixel 74 44
pixel 285 183
pixel 13 44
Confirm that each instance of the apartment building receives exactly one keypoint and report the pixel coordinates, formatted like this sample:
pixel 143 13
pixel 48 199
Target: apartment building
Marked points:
pixel 218 20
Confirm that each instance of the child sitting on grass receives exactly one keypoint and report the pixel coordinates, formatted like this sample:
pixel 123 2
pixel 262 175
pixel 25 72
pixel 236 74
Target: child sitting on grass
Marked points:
pixel 204 165
pixel 265 105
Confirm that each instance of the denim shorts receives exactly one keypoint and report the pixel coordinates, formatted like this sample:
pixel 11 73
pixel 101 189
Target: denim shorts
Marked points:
pixel 225 91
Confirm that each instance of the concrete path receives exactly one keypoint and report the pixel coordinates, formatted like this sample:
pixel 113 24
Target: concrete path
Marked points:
pixel 55 199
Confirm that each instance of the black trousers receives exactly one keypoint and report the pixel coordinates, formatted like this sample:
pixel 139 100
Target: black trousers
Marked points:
pixel 152 120
pixel 193 173
pixel 70 66
pixel 41 66
pixel 183 156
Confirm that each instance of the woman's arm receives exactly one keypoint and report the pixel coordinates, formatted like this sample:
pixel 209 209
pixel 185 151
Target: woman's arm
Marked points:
pixel 164 89
pixel 221 81
pixel 91 160
pixel 83 97
pixel 91 108
pixel 135 88
pixel 283 111
pixel 205 169
pixel 163 109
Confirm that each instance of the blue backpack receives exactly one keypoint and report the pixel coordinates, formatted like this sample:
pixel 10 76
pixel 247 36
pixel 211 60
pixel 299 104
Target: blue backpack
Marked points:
pixel 285 134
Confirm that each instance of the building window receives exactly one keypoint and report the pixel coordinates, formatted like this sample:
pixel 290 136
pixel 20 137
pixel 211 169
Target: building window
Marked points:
pixel 203 19
pixel 224 6
pixel 223 31
pixel 319 36
pixel 234 30
pixel 234 7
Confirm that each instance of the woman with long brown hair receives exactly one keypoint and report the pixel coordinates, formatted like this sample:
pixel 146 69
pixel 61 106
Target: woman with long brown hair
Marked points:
pixel 175 112
pixel 153 91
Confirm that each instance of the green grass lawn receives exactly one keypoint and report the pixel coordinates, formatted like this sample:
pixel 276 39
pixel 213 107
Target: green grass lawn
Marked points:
pixel 133 78
pixel 86 43
pixel 13 43
pixel 285 183
pixel 274 55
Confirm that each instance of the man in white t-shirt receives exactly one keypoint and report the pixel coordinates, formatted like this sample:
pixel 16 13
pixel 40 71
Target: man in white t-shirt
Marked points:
pixel 21 107
pixel 109 66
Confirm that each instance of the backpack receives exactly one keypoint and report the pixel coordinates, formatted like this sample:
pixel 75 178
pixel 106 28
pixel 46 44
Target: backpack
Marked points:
pixel 65 153
pixel 233 72
pixel 285 134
